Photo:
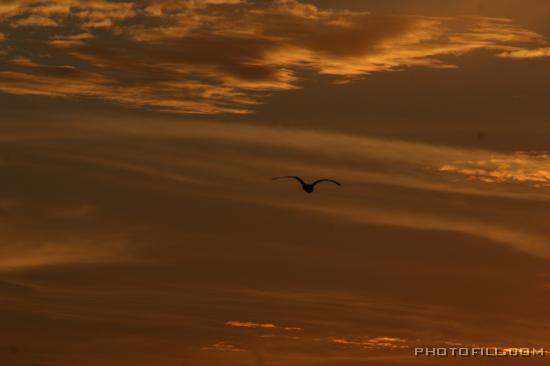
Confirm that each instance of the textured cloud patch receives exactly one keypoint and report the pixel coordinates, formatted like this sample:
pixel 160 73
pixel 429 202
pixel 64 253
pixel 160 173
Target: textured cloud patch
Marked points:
pixel 372 343
pixel 526 53
pixel 226 56
pixel 47 13
pixel 532 168
pixel 35 21
pixel 222 347
pixel 239 324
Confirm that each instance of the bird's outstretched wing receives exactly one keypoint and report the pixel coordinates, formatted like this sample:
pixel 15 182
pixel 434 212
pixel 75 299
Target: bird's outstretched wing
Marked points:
pixel 291 177
pixel 325 180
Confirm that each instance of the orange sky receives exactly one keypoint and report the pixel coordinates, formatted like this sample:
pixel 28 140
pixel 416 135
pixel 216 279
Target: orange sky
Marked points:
pixel 140 225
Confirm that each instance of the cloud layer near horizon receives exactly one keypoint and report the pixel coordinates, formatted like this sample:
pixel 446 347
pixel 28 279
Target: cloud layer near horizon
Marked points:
pixel 168 241
pixel 224 56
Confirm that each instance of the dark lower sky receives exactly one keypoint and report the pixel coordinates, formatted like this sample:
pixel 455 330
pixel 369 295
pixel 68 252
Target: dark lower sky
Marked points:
pixel 140 226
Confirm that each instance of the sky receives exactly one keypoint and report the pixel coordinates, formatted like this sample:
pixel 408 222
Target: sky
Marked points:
pixel 140 225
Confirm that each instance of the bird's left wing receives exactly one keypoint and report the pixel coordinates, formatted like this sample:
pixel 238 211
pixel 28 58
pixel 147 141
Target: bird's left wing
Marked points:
pixel 291 177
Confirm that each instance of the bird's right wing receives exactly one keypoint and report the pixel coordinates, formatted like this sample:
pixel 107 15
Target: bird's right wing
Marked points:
pixel 326 180
pixel 290 177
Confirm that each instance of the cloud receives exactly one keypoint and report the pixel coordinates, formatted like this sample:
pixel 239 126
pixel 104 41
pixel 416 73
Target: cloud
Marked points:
pixel 351 293
pixel 24 256
pixel 526 53
pixel 35 21
pixel 68 81
pixel 7 204
pixel 76 212
pixel 39 234
pixel 158 8
pixel 414 169
pixel 9 8
pixel 531 168
pixel 415 164
pixel 395 164
pixel 240 324
pixel 372 343
pixel 226 56
pixel 3 38
pixel 90 13
pixel 222 347
pixel 515 237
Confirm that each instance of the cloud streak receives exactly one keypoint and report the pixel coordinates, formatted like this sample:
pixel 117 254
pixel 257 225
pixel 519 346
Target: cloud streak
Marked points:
pixel 25 256
pixel 522 167
pixel 223 347
pixel 526 53
pixel 241 324
pixel 423 170
pixel 374 343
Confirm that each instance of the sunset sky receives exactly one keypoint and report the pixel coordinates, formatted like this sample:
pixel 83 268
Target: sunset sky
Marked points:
pixel 139 225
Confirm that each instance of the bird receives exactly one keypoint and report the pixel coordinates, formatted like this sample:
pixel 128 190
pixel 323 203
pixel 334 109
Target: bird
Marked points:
pixel 307 187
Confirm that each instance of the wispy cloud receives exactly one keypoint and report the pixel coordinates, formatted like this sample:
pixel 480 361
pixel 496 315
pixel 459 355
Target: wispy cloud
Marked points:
pixel 222 347
pixel 372 343
pixel 35 21
pixel 241 324
pixel 75 212
pixel 24 256
pixel 534 243
pixel 39 235
pixel 412 164
pixel 92 13
pixel 526 53
pixel 421 168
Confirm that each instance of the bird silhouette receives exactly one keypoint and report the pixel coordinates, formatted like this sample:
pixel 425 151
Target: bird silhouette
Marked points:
pixel 307 187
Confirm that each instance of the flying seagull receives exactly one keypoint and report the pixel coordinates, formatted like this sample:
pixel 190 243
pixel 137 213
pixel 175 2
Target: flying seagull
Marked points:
pixel 308 187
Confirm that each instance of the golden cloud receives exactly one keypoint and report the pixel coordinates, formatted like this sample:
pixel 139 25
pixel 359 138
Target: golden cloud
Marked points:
pixel 526 53
pixel 57 241
pixel 224 56
pixel 86 11
pixel 239 324
pixel 531 168
pixel 17 257
pixel 222 347
pixel 9 8
pixel 66 81
pixel 372 343
pixel 35 21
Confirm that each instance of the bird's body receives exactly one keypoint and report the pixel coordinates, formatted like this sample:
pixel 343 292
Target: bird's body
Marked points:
pixel 307 187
